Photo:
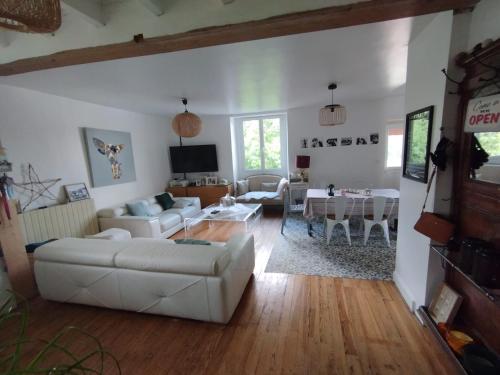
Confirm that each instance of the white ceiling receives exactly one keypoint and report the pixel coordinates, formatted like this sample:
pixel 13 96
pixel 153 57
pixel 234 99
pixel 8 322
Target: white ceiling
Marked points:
pixel 368 61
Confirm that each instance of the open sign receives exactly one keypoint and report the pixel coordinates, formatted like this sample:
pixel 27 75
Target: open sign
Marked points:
pixel 483 114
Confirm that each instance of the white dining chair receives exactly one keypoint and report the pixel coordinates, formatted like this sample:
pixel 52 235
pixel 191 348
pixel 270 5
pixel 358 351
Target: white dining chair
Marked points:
pixel 377 216
pixel 338 216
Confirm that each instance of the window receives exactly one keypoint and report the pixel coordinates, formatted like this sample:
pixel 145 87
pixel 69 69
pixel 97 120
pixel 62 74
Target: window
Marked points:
pixel 261 143
pixel 394 148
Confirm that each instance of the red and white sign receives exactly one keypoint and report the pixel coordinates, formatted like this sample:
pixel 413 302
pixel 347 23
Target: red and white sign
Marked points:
pixel 483 115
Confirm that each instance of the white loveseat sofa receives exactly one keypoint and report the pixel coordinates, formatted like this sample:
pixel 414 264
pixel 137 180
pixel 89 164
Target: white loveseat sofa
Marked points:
pixel 162 225
pixel 153 276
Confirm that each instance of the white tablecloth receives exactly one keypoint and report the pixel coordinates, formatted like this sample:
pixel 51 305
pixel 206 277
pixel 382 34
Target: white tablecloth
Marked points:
pixel 314 204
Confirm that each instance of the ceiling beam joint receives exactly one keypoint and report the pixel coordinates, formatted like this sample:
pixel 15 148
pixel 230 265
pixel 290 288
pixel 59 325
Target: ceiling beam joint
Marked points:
pixel 154 6
pixel 90 10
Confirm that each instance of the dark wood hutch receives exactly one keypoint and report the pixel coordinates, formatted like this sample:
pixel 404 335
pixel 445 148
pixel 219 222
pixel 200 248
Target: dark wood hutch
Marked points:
pixel 476 208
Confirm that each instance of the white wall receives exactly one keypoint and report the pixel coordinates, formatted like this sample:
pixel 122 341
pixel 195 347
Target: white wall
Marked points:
pixel 428 53
pixel 355 166
pixel 216 130
pixel 43 130
pixel 485 22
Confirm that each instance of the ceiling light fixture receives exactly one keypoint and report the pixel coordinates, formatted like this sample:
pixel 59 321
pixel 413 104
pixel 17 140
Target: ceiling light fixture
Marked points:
pixel 30 16
pixel 332 114
pixel 186 124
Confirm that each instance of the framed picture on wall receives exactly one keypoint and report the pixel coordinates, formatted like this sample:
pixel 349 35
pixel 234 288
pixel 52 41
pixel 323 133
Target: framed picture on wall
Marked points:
pixel 77 192
pixel 417 144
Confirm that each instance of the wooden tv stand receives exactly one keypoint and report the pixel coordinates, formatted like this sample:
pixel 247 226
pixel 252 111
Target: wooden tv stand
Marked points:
pixel 208 194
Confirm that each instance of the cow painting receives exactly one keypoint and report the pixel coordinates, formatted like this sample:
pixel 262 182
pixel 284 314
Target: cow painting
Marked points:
pixel 111 152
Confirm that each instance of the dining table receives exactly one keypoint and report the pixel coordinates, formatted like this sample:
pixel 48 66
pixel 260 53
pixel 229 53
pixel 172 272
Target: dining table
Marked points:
pixel 314 203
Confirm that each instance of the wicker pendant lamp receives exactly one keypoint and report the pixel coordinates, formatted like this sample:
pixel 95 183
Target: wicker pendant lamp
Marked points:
pixel 186 124
pixel 332 114
pixel 30 16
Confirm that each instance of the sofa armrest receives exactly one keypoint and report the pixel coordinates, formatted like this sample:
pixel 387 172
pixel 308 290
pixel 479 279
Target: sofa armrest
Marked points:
pixel 138 226
pixel 242 245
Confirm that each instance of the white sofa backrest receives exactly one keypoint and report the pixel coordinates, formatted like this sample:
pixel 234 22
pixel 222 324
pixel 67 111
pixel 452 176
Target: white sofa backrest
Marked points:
pixel 142 254
pixel 161 256
pixel 255 182
pixel 121 209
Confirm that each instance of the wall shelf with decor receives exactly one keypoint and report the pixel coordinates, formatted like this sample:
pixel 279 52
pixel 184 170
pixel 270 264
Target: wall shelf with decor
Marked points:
pixel 451 258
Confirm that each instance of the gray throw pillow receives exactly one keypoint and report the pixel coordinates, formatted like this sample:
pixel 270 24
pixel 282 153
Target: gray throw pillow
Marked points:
pixel 242 187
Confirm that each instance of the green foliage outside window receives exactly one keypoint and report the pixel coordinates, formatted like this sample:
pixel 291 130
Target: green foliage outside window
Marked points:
pixel 272 143
pixel 418 141
pixel 267 156
pixel 251 140
pixel 490 142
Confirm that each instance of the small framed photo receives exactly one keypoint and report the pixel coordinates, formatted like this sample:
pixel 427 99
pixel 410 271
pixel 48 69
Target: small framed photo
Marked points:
pixel 361 141
pixel 211 180
pixel 316 142
pixel 77 192
pixel 346 141
pixel 445 305
pixel 331 142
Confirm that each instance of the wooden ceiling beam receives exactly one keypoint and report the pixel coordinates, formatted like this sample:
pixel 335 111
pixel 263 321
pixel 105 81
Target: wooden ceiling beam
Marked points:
pixel 154 6
pixel 293 23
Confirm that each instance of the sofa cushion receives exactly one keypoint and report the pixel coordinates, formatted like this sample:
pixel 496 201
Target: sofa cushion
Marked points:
pixel 257 196
pixel 184 213
pixel 155 209
pixel 168 220
pixel 161 256
pixel 139 208
pixel 89 252
pixel 269 186
pixel 242 186
pixel 165 201
pixel 182 203
pixel 111 212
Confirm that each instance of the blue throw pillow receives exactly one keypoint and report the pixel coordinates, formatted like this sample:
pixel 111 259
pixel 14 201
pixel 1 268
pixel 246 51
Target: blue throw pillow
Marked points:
pixel 138 209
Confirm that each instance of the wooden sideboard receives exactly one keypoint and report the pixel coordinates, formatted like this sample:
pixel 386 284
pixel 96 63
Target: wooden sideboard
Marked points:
pixel 208 194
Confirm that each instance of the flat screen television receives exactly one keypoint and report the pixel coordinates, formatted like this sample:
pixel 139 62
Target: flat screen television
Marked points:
pixel 191 159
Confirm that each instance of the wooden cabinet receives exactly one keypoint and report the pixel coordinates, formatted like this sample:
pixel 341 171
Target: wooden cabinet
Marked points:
pixel 208 194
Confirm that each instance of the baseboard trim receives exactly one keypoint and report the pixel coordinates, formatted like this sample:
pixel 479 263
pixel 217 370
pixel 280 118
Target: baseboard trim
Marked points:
pixel 404 291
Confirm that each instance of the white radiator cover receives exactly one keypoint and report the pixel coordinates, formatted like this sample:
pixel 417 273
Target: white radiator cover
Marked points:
pixel 75 219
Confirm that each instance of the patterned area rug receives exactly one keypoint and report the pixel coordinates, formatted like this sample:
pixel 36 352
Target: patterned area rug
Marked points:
pixel 297 253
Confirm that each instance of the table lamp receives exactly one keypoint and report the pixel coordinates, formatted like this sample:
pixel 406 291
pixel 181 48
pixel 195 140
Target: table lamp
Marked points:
pixel 302 162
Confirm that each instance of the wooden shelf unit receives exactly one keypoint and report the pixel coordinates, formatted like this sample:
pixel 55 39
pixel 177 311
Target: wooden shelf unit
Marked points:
pixel 208 194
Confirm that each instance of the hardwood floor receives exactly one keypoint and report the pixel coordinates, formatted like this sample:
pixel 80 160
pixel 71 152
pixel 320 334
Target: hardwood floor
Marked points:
pixel 287 324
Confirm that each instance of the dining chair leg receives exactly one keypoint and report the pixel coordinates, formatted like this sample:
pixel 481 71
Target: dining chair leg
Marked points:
pixel 345 224
pixel 368 227
pixel 385 226
pixel 329 231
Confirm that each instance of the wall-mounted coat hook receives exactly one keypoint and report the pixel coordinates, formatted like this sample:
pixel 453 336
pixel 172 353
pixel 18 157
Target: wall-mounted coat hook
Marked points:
pixel 449 78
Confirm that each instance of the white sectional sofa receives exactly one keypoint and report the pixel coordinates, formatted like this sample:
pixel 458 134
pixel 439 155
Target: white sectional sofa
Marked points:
pixel 202 282
pixel 162 225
